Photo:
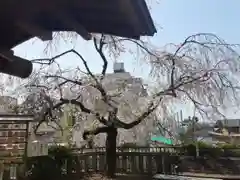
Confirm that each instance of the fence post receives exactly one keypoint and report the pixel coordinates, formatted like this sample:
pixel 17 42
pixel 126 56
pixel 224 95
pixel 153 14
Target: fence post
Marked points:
pixel 159 163
pixel 149 163
pixel 94 161
pixel 133 164
pixel 163 164
pixel 141 165
pixel 102 161
pixel 124 163
pixel 1 169
pixel 79 166
pixel 86 158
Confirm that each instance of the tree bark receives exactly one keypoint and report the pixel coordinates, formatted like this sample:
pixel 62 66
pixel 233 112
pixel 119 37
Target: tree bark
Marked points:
pixel 111 143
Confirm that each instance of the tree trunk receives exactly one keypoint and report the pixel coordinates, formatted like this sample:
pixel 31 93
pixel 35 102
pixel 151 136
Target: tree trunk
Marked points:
pixel 111 143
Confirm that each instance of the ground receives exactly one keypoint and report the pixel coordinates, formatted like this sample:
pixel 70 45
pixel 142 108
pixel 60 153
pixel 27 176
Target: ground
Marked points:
pixel 119 177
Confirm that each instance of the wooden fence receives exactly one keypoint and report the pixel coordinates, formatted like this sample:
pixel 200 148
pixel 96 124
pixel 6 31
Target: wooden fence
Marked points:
pixel 147 160
pixel 128 162
pixel 140 160
pixel 143 160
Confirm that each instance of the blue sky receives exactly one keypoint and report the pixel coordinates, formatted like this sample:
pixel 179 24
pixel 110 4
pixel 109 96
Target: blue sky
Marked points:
pixel 182 18
pixel 175 20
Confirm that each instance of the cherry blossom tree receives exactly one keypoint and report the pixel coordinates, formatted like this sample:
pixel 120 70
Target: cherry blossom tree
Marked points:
pixel 203 70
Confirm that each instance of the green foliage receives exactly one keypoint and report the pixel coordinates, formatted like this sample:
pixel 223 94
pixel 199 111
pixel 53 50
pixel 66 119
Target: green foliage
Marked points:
pixel 59 152
pixel 51 166
pixel 228 146
pixel 231 150
pixel 226 150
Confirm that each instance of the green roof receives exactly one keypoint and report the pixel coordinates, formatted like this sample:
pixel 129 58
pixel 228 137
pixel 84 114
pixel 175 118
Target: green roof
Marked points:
pixel 162 140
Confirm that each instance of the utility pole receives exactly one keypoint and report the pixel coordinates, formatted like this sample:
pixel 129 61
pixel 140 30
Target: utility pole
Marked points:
pixel 193 122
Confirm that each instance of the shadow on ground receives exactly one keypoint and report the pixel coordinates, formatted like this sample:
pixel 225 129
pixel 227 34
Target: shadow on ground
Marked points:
pixel 118 177
pixel 211 165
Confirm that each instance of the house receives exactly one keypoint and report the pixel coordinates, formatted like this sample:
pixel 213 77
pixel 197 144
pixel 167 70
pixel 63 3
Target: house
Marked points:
pixel 198 132
pixel 227 130
pixel 231 125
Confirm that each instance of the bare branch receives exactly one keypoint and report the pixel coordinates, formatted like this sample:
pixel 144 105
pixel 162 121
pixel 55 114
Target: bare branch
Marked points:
pixel 46 111
pixel 196 70
pixel 100 52
pixel 37 86
pixel 204 65
pixel 84 109
pixel 172 76
pixel 66 80
pixel 59 127
pixel 98 85
pixel 49 61
pixel 165 130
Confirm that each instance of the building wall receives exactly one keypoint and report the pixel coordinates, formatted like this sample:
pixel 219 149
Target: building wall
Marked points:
pixel 7 136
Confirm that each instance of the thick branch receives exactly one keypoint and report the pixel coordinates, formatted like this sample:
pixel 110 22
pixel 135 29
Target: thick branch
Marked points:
pixel 84 109
pixel 172 76
pixel 95 132
pixel 99 49
pixel 48 111
pixel 78 103
pixel 49 61
pixel 145 114
pixel 45 113
pixel 98 85
pixel 170 91
pixel 150 109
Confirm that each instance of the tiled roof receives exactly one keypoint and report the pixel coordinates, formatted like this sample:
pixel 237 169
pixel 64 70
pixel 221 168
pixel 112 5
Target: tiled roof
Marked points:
pixel 231 122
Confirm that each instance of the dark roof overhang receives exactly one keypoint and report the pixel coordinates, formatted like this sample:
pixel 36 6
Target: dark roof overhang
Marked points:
pixel 22 20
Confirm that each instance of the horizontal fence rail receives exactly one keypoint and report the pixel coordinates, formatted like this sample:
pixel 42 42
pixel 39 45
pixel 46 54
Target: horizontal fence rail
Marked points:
pixel 227 152
pixel 132 149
